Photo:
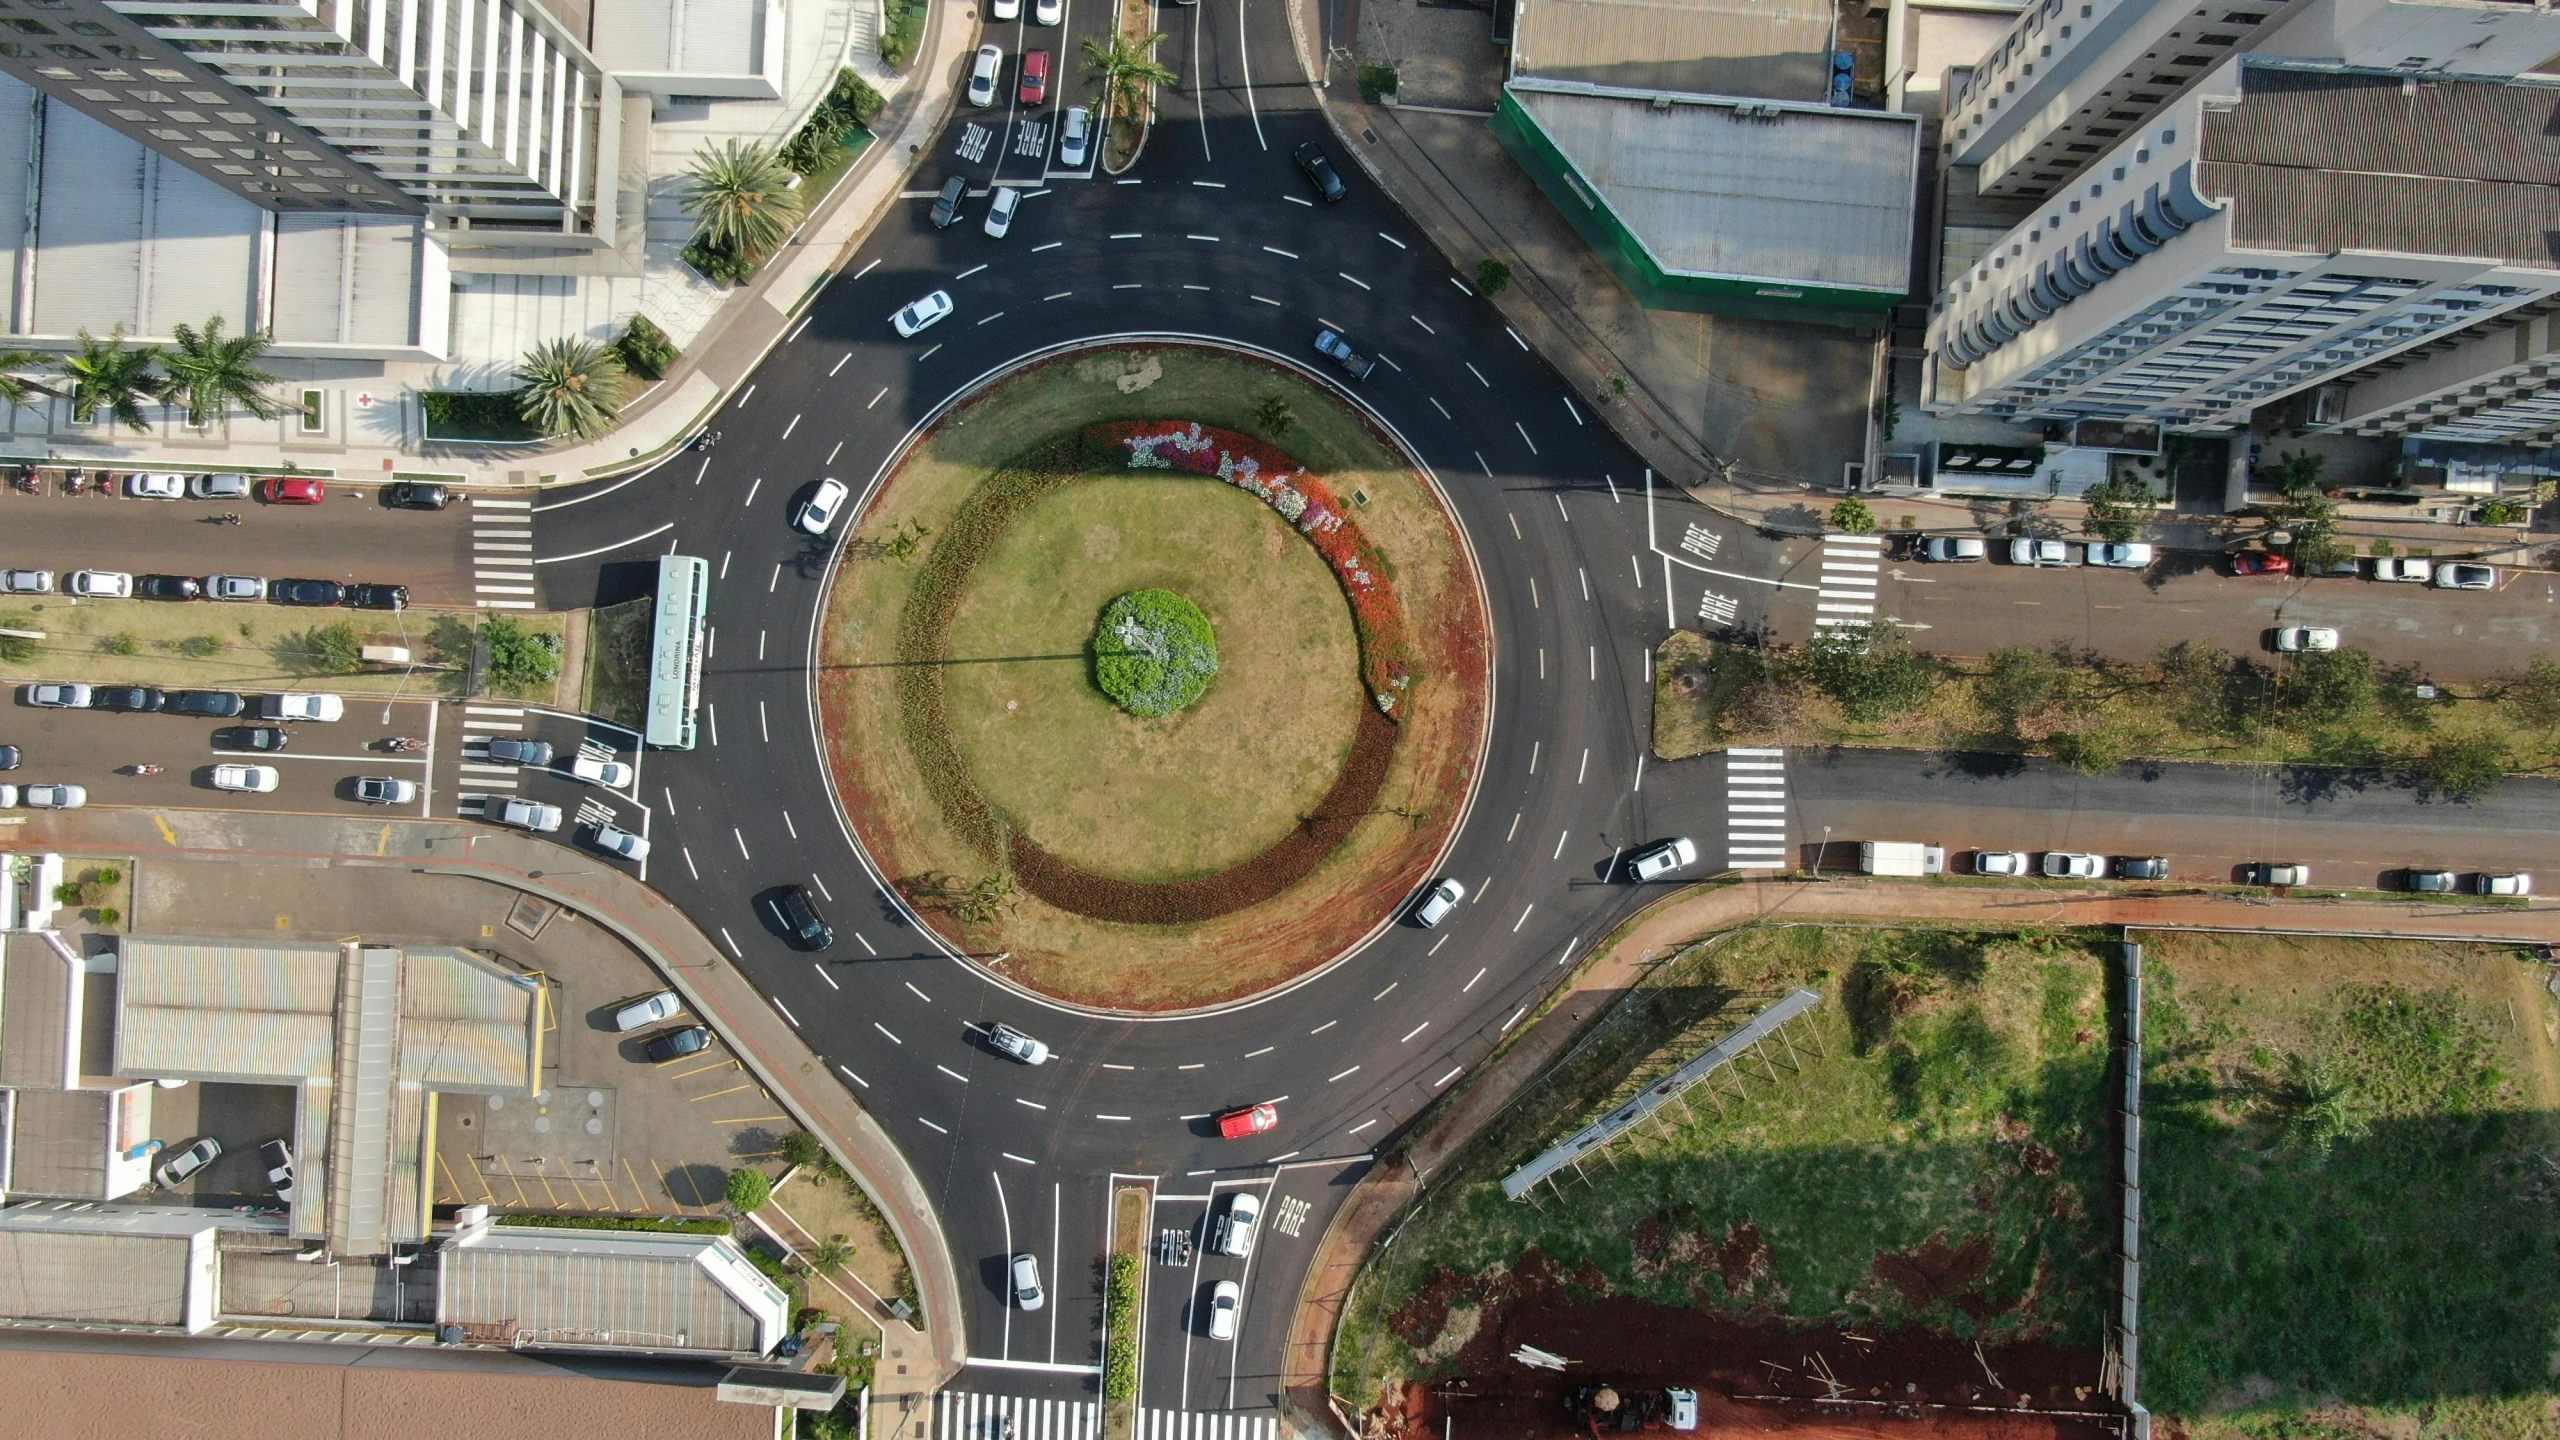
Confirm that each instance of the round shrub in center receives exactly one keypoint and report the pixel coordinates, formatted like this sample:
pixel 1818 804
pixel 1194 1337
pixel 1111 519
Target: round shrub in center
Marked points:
pixel 1153 652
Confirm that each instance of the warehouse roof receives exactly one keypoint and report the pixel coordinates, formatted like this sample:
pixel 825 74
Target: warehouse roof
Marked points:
pixel 1726 188
pixel 627 1289
pixel 2320 162
pixel 1767 49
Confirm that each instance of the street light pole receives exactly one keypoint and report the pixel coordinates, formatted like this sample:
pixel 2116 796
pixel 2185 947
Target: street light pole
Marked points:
pixel 1817 854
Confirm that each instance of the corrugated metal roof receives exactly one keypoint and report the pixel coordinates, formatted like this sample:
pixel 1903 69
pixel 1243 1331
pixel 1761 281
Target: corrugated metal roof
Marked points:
pixel 465 1024
pixel 99 1279
pixel 2319 162
pixel 58 1143
pixel 368 1059
pixel 681 37
pixel 1770 49
pixel 1813 197
pixel 566 1287
pixel 35 1011
pixel 217 1011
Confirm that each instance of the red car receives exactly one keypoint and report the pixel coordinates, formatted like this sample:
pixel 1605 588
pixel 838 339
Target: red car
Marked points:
pixel 2260 562
pixel 1035 76
pixel 1251 1120
pixel 281 491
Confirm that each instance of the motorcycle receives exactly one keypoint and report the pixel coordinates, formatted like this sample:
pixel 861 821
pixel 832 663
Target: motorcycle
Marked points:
pixel 75 482
pixel 228 517
pixel 142 769
pixel 705 440
pixel 28 483
pixel 399 743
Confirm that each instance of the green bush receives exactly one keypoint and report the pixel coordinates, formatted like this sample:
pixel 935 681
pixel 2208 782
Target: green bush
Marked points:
pixel 721 267
pixel 1376 80
pixel 331 649
pixel 474 415
pixel 1492 276
pixel 1870 670
pixel 906 27
pixel 17 649
pixel 520 659
pixel 646 350
pixel 748 1190
pixel 120 643
pixel 197 647
pixel 850 105
pixel 803 1151
pixel 1153 652
pixel 110 915
pixel 1120 1322
pixel 1853 517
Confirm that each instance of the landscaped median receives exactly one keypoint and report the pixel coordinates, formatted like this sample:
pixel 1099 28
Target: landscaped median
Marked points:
pixel 204 645
pixel 1124 1301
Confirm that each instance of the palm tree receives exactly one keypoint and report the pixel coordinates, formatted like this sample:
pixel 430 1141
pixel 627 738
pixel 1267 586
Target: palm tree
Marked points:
pixel 740 198
pixel 15 387
pixel 1126 70
pixel 571 387
pixel 217 375
pixel 106 374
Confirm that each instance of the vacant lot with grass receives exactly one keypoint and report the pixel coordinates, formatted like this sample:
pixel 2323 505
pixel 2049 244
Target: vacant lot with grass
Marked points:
pixel 1209 786
pixel 1941 1163
pixel 1182 794
pixel 2353 1182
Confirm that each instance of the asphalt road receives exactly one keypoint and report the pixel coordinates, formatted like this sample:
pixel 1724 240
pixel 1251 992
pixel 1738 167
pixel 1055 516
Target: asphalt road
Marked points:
pixel 1586 566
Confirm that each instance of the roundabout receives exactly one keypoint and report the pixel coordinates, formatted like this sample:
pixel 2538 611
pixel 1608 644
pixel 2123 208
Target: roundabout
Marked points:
pixel 1140 707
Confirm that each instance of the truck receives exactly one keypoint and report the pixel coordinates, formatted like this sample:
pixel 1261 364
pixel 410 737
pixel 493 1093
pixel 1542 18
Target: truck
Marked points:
pixel 1900 857
pixel 1597 1409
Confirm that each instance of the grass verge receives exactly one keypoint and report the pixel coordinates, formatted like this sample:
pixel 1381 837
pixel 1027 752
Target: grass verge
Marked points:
pixel 2350 1182
pixel 1940 1161
pixel 207 646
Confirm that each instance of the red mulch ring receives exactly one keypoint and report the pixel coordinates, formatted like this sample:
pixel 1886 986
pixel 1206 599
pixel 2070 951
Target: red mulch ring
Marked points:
pixel 1753 1376
pixel 1355 790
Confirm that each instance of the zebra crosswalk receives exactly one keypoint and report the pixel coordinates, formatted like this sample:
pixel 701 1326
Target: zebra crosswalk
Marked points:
pixel 1755 803
pixel 502 553
pixel 965 1415
pixel 1206 1425
pixel 1850 567
pixel 484 723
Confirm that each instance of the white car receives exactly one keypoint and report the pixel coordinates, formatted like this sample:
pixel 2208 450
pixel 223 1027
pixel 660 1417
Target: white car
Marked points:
pixel 175 1170
pixel 1000 211
pixel 235 587
pixel 100 584
pixel 1225 1299
pixel 619 841
pixel 2277 872
pixel 647 1010
pixel 1048 12
pixel 26 582
pixel 1005 10
pixel 982 75
pixel 219 487
pixel 155 487
pixel 279 1160
pixel 2044 553
pixel 2404 568
pixel 921 314
pixel 297 705
pixel 385 790
pixel 2485 883
pixel 1684 1408
pixel 8 796
pixel 529 815
pixel 56 695
pixel 1655 861
pixel 255 779
pixel 1438 901
pixel 611 774
pixel 1026 1282
pixel 820 511
pixel 1075 135
pixel 1235 1228
pixel 54 797
pixel 2072 865
pixel 2000 862
pixel 2460 575
pixel 1018 1045
pixel 1952 548
pixel 2122 557
pixel 2293 639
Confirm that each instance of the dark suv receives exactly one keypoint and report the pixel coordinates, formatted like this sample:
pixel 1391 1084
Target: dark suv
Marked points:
pixel 946 206
pixel 809 930
pixel 676 1044
pixel 503 751
pixel 378 597
pixel 218 704
pixel 141 699
pixel 1320 173
pixel 414 495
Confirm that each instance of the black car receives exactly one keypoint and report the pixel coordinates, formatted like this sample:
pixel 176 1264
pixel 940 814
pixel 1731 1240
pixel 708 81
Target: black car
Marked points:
pixel 8 757
pixel 2142 867
pixel 412 495
pixel 1311 158
pixel 378 597
pixel 800 916
pixel 306 592
pixel 520 752
pixel 946 206
pixel 139 699
pixel 677 1044
pixel 250 737
pixel 167 587
pixel 212 704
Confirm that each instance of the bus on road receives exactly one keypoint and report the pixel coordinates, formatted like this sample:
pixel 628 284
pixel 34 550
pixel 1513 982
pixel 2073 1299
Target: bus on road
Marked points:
pixel 675 652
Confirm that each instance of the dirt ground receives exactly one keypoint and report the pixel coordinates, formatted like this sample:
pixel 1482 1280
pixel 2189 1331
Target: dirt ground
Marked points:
pixel 1753 1377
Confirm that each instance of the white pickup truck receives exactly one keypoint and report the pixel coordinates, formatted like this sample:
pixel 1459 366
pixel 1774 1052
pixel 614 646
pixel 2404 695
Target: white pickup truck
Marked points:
pixel 1900 857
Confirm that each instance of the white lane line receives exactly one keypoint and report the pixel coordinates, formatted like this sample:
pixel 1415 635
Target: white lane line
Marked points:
pixel 1354 279
pixel 1443 409
pixel 1472 370
pixel 1524 918
pixel 1577 419
pixel 1471 982
pixel 1283 254
pixel 1299 200
pixel 1390 239
pixel 1034 1104
pixel 1212 239
pixel 1445 1079
pixel 1354 1070
pixel 1267 300
pixel 1416 1030
pixel 929 1125
pixel 1516 340
pixel 795 420
pixel 787 1015
pixel 732 944
pixel 972 270
pixel 1461 284
pixel 1426 328
pixel 1533 449
pixel 885 1030
pixel 1561 837
pixel 743 399
pixel 1036 249
pixel 856 1079
pixel 912 990
pixel 876 399
pixel 991 319
pixel 927 355
pixel 823 975
pixel 742 843
pixel 954 1074
pixel 831 374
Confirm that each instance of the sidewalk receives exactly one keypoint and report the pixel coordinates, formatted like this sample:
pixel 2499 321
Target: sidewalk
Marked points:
pixel 751 321
pixel 1612 967
pixel 913 1364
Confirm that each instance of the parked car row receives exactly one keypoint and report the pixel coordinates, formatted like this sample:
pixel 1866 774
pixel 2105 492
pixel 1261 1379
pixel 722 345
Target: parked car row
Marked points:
pixel 2071 865
pixel 117 585
pixel 147 700
pixel 2046 554
pixel 43 797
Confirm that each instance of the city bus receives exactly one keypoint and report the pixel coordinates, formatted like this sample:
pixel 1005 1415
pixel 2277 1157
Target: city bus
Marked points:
pixel 675 651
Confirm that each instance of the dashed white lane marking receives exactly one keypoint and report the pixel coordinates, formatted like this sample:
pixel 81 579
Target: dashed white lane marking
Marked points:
pixel 1755 831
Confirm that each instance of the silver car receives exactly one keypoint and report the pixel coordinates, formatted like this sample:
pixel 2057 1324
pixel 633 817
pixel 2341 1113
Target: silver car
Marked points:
pixel 2114 556
pixel 1438 901
pixel 26 582
pixel 1027 1294
pixel 2072 865
pixel 1952 548
pixel 2458 575
pixel 982 75
pixel 56 695
pixel 219 487
pixel 54 797
pixel 621 842
pixel 1075 134
pixel 647 1010
pixel 529 815
pixel 1018 1045
pixel 2044 553
pixel 235 587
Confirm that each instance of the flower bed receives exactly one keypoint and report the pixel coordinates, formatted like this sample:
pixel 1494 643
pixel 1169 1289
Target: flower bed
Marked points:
pixel 1386 662
pixel 1153 653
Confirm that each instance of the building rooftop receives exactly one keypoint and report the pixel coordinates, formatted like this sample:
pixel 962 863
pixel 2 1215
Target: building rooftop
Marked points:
pixel 643 1290
pixel 2320 162
pixel 1804 195
pixel 1767 49
pixel 81 1264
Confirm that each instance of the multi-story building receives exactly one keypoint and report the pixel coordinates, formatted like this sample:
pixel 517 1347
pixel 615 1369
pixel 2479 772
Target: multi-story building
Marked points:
pixel 483 115
pixel 2271 229
pixel 2497 384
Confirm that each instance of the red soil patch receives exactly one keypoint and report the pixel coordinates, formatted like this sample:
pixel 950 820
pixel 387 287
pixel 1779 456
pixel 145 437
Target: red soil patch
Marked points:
pixel 1935 1273
pixel 1753 1376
